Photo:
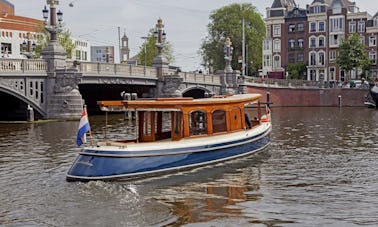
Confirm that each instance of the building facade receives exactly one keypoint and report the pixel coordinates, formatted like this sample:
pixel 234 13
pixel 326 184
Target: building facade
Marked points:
pixel 102 54
pixel 313 36
pixel 82 51
pixel 18 35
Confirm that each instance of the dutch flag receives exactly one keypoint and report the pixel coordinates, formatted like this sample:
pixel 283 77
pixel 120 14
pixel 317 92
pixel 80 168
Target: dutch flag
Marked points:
pixel 83 128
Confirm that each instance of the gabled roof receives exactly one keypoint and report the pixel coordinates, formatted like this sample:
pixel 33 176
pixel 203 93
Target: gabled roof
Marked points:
pixel 375 15
pixel 318 1
pixel 277 4
pixel 336 2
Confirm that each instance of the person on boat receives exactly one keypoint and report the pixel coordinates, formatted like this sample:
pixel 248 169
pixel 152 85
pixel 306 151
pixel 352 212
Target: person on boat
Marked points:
pixel 249 124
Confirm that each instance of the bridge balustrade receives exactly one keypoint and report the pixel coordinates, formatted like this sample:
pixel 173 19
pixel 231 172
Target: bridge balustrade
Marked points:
pixel 117 69
pixel 23 65
pixel 200 78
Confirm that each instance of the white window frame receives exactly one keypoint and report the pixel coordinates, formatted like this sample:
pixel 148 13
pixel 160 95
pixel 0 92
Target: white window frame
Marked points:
pixel 277 45
pixel 361 26
pixel 352 26
pixel 310 25
pixel 324 26
pixel 276 30
pixel 372 41
pixel 373 57
pixel 324 41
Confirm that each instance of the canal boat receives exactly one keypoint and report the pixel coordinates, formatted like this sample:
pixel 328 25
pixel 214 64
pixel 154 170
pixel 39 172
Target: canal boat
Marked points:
pixel 372 98
pixel 177 133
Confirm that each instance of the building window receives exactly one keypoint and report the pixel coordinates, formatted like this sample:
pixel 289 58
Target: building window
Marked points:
pixel 6 49
pixel 352 27
pixel 291 43
pixel 300 27
pixel 362 39
pixel 276 30
pixel 268 31
pixel 78 55
pixel 312 58
pixel 267 61
pixel 292 28
pixel 277 45
pixel 291 58
pixel 312 27
pixel 321 41
pixel 276 61
pixel 361 26
pixel 372 41
pixel 300 43
pixel 336 24
pixel 312 42
pixel 321 26
pixel 313 75
pixel 321 58
pixel 300 57
pixel 332 55
pixel 334 40
pixel 373 57
pixel 332 74
pixel 267 44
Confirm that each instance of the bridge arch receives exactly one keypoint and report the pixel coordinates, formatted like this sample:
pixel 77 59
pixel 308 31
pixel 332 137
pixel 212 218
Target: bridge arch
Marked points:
pixel 19 96
pixel 197 92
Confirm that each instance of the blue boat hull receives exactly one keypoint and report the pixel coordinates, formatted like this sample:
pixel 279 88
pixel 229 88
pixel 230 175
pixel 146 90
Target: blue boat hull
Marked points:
pixel 92 164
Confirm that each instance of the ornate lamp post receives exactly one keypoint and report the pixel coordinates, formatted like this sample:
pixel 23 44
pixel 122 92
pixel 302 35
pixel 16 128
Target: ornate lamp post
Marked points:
pixel 160 35
pixel 56 19
pixel 228 50
pixel 28 47
pixel 159 62
pixel 54 53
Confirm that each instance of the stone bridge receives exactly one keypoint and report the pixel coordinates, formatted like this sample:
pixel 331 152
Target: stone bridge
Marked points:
pixel 49 91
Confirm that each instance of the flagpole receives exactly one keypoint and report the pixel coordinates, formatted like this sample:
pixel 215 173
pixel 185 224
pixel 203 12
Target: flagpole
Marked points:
pixel 90 130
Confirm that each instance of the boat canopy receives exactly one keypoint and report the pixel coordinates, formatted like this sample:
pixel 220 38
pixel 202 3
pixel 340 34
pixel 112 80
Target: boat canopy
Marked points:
pixel 187 117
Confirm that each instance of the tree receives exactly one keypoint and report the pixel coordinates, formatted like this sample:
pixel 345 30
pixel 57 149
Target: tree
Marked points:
pixel 352 54
pixel 227 22
pixel 148 51
pixel 296 70
pixel 64 39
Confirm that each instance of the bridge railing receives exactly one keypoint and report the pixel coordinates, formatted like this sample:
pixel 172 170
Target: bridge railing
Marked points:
pixel 200 78
pixel 283 83
pixel 116 69
pixel 23 65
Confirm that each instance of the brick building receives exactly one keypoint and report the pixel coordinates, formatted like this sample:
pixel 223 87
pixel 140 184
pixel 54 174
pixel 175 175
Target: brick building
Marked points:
pixel 15 30
pixel 313 36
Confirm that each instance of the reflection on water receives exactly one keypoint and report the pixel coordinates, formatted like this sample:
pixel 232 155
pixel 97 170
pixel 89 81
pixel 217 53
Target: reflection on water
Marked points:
pixel 319 170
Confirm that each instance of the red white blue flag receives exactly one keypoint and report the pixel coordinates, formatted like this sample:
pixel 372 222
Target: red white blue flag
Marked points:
pixel 83 128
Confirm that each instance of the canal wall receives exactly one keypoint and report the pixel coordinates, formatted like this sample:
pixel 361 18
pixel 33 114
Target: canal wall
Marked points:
pixel 312 97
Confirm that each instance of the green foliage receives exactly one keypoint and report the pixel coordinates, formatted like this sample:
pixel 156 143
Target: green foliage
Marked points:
pixel 149 48
pixel 227 22
pixel 352 54
pixel 64 39
pixel 297 70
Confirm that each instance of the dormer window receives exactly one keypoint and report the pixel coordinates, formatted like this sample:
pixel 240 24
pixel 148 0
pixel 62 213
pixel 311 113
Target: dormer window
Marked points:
pixel 336 9
pixel 292 28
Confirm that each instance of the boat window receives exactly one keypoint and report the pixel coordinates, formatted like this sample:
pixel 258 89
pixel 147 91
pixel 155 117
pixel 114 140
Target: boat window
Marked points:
pixel 219 121
pixel 198 123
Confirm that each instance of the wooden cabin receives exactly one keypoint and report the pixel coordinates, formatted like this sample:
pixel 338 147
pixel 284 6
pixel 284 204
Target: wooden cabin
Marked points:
pixel 188 117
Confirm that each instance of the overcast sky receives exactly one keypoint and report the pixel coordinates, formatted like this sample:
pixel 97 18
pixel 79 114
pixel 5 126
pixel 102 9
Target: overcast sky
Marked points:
pixel 185 21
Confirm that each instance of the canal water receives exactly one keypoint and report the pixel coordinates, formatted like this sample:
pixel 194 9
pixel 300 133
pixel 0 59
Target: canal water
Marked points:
pixel 321 169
